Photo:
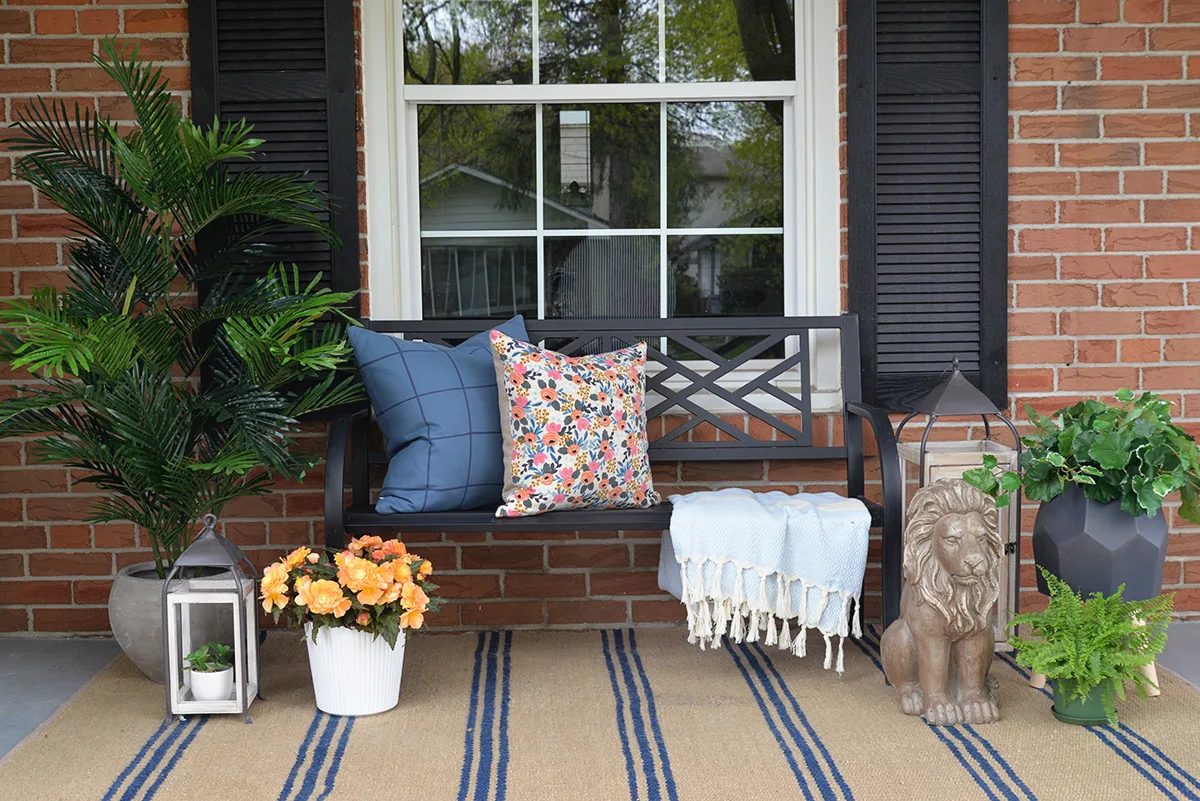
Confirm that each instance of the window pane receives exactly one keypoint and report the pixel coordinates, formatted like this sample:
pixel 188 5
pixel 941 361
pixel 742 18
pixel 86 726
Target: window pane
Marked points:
pixel 725 164
pixel 584 41
pixel 477 168
pixel 478 277
pixel 602 276
pixel 730 40
pixel 727 275
pixel 601 165
pixel 468 42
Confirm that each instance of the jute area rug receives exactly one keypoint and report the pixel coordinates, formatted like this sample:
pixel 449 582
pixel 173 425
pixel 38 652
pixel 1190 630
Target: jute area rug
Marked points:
pixel 612 715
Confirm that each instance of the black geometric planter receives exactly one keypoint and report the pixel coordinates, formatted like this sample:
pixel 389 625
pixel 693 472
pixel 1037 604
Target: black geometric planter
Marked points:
pixel 1096 547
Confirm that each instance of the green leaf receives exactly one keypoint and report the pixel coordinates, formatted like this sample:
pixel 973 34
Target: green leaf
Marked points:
pixel 1045 489
pixel 982 479
pixel 1111 450
pixel 1010 482
pixel 1056 459
pixel 1066 441
pixel 1147 497
pixel 989 461
pixel 1124 395
pixel 1189 508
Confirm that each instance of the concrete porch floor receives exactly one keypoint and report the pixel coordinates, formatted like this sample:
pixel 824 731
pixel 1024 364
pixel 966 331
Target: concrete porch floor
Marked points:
pixel 39 675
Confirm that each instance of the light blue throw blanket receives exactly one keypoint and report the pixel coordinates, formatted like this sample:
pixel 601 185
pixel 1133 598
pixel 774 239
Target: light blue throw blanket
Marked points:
pixel 746 563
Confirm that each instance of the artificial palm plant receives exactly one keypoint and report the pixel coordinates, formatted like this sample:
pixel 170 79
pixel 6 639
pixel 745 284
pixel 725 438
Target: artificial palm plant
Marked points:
pixel 169 278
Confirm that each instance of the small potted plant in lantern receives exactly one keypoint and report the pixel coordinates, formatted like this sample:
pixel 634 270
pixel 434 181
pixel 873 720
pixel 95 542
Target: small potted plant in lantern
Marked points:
pixel 211 666
pixel 357 608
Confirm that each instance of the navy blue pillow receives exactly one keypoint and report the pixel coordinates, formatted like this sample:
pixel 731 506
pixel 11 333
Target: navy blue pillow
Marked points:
pixel 439 411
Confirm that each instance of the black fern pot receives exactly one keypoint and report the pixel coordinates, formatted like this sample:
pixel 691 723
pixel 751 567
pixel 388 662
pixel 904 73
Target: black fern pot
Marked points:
pixel 1097 547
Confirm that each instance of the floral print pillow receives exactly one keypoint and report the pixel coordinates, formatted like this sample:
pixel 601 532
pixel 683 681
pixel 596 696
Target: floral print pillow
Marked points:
pixel 574 428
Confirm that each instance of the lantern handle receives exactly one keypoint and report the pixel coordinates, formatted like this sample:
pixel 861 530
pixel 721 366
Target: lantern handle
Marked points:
pixel 209 520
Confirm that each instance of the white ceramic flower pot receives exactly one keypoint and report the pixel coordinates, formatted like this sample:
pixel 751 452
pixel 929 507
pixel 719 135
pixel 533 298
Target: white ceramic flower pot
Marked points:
pixel 354 673
pixel 212 686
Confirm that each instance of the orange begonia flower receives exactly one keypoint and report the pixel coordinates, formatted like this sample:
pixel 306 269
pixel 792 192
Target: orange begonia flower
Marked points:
pixel 412 619
pixel 313 558
pixel 413 597
pixel 394 548
pixel 363 618
pixel 325 598
pixel 393 593
pixel 302 585
pixel 273 596
pixel 296 557
pixel 274 587
pixel 401 572
pixel 425 569
pixel 360 544
pixel 357 574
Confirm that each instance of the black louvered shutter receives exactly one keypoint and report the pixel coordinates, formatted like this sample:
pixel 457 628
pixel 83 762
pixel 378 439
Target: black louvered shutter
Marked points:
pixel 928 217
pixel 288 68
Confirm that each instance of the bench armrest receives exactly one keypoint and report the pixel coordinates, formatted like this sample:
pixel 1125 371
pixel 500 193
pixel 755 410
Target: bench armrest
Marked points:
pixel 341 440
pixel 893 494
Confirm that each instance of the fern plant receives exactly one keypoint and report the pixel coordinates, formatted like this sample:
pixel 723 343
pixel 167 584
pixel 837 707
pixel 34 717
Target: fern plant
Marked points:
pixel 1099 642
pixel 115 358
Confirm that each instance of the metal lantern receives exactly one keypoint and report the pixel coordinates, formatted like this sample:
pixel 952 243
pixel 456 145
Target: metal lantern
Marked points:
pixel 955 396
pixel 233 586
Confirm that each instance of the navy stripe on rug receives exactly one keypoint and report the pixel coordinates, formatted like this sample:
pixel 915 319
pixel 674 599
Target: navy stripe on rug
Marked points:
pixel 982 761
pixel 647 765
pixel 815 772
pixel 318 759
pixel 1171 780
pixel 154 761
pixel 485 757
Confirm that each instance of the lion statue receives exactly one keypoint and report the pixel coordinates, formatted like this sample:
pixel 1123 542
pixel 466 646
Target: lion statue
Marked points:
pixel 938 652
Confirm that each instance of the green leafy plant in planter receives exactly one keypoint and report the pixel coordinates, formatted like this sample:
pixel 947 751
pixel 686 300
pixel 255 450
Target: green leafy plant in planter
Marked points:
pixel 116 356
pixel 1102 642
pixel 211 657
pixel 1130 452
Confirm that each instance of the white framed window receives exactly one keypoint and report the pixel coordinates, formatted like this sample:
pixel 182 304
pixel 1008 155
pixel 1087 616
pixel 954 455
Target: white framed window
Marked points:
pixel 563 158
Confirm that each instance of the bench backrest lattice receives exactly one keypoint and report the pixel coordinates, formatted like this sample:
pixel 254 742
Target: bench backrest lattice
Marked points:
pixel 736 361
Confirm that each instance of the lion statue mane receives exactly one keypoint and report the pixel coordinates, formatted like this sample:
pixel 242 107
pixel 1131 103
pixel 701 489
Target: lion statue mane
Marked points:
pixel 965 605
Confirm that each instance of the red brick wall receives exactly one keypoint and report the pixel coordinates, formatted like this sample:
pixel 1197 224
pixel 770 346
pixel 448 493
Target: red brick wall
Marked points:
pixel 1099 304
pixel 1104 214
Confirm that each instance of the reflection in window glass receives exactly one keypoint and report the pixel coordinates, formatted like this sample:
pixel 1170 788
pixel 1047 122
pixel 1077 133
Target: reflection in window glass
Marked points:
pixel 602 276
pixel 604 41
pixel 726 275
pixel 468 42
pixel 477 167
pixel 601 165
pixel 730 40
pixel 725 164
pixel 478 277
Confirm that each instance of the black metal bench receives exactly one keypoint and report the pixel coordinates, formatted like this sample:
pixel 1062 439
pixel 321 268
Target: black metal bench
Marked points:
pixel 784 340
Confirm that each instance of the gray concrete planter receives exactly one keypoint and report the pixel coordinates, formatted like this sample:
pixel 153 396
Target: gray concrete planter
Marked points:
pixel 1096 547
pixel 135 614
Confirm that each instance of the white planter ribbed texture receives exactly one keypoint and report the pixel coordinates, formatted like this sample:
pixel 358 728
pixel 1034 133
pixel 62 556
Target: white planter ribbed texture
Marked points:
pixel 353 672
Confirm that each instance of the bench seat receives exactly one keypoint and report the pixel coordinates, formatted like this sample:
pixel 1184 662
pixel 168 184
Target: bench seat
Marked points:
pixel 363 519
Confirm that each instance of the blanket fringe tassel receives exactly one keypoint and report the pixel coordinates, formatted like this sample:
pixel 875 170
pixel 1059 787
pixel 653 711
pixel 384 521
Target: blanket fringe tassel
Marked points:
pixel 711 615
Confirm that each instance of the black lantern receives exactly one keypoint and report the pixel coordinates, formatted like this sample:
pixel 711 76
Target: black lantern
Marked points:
pixel 211 573
pixel 955 396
